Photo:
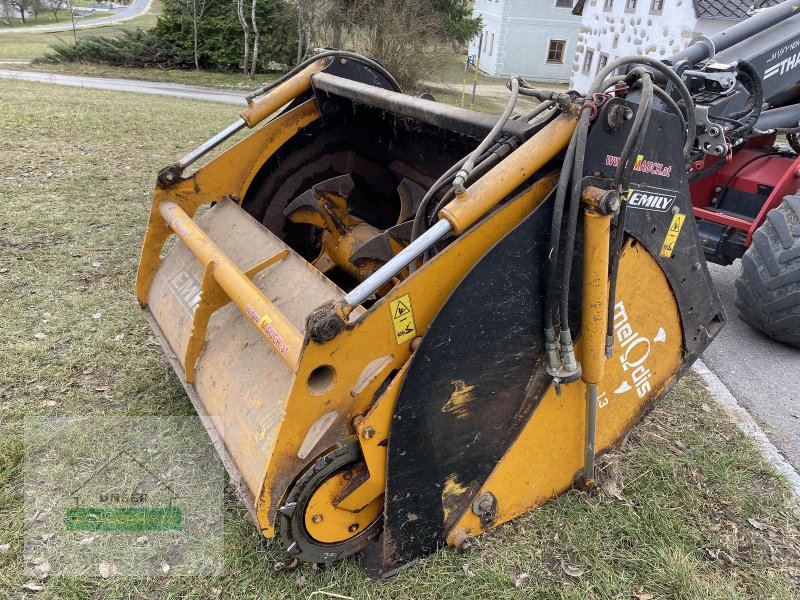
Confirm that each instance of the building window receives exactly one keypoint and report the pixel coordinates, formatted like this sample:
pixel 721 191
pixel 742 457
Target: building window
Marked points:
pixel 656 7
pixel 608 4
pixel 555 51
pixel 602 61
pixel 630 5
pixel 615 43
pixel 587 61
pixel 491 45
pixel 563 3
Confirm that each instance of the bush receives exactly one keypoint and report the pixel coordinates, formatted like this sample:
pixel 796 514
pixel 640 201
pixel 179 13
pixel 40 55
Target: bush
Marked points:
pixel 136 48
pixel 170 43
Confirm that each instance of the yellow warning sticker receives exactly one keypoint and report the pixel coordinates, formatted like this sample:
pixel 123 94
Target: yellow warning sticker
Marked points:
pixel 668 247
pixel 402 319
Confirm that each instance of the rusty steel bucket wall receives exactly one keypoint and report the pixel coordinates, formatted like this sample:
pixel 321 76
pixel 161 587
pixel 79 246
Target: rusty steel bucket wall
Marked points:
pixel 241 383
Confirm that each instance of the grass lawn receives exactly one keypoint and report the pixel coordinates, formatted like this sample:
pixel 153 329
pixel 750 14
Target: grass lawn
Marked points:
pixel 44 18
pixel 187 76
pixel 27 45
pixel 693 511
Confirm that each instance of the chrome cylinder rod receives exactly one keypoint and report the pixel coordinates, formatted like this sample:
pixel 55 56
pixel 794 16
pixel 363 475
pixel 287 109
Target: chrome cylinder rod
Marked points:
pixel 403 258
pixel 212 143
pixel 591 428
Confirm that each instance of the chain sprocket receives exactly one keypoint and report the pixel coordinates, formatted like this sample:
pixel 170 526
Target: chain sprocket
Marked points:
pixel 291 515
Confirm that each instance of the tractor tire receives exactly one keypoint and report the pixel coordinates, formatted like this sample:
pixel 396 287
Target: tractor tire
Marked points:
pixel 768 289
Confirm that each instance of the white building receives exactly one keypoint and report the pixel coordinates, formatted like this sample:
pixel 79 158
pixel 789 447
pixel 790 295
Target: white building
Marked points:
pixel 532 38
pixel 657 28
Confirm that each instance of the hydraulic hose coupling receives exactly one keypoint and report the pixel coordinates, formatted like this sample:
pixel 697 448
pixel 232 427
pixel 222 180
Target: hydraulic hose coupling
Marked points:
pixel 459 181
pixel 552 351
pixel 609 346
pixel 569 365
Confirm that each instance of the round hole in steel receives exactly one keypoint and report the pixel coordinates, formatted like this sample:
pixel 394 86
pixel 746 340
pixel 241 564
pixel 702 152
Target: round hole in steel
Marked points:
pixel 321 379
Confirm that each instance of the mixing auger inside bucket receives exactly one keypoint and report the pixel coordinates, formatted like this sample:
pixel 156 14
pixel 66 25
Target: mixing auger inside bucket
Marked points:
pixel 364 340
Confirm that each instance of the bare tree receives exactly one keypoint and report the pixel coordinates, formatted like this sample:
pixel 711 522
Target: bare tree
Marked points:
pixel 404 35
pixel 56 5
pixel 306 10
pixel 256 38
pixel 21 6
pixel 194 11
pixel 246 30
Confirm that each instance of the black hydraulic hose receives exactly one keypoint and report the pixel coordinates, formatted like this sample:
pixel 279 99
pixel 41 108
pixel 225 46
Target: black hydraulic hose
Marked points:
pixel 488 160
pixel 633 144
pixel 420 224
pixel 619 234
pixel 368 62
pixel 672 76
pixel 417 227
pixel 741 168
pixel 463 173
pixel 756 98
pixel 555 236
pixel 671 105
pixel 581 134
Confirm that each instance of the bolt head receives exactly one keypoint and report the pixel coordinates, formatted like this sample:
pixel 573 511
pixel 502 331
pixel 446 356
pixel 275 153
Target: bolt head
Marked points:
pixel 317 519
pixel 368 433
pixel 353 528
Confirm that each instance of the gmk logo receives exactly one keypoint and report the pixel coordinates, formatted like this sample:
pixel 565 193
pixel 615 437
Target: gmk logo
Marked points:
pixel 787 64
pixel 657 202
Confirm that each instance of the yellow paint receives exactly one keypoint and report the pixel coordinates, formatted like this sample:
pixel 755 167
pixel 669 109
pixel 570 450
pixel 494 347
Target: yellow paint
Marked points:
pixel 452 492
pixel 668 247
pixel 281 395
pixel 548 452
pixel 467 208
pixel 429 286
pixel 456 404
pixel 228 174
pixel 284 93
pixel 403 319
pixel 597 231
pixel 328 523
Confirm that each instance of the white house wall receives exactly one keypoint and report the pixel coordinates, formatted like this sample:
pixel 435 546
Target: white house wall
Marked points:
pixel 618 32
pixel 522 30
pixel 492 12
pixel 532 23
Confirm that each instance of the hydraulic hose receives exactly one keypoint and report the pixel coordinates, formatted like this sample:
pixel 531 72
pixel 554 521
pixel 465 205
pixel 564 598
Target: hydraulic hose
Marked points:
pixel 625 174
pixel 461 176
pixel 672 76
pixel 555 240
pixel 581 133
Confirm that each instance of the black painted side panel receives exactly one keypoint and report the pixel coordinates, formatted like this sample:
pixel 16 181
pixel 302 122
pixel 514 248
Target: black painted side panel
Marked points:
pixel 479 374
pixel 472 385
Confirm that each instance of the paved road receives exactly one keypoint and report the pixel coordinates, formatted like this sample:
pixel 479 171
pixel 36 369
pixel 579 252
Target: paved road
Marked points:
pixel 192 92
pixel 763 375
pixel 136 8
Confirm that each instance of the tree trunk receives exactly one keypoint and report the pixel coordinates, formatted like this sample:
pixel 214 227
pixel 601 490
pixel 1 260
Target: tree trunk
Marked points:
pixel 338 27
pixel 256 36
pixel 196 59
pixel 299 32
pixel 246 30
